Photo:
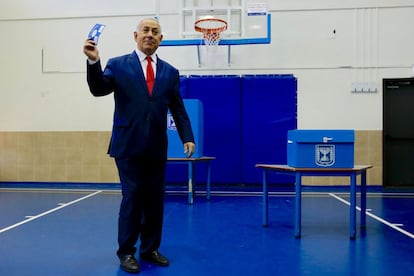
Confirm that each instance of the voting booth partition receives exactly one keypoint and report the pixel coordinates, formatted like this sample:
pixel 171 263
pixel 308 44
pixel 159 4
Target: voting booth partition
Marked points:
pixel 239 120
pixel 194 109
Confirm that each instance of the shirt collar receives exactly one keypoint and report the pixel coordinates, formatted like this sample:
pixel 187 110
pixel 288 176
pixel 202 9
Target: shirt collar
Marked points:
pixel 142 56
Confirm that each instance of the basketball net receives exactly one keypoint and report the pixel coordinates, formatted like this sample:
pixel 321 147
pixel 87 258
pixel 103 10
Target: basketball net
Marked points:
pixel 211 39
pixel 211 29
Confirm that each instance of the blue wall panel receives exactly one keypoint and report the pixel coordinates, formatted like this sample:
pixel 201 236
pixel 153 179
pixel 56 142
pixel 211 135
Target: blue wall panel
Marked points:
pixel 220 96
pixel 246 120
pixel 268 112
pixel 183 86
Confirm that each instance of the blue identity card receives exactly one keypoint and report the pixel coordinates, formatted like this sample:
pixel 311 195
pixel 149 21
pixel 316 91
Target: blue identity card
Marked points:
pixel 95 32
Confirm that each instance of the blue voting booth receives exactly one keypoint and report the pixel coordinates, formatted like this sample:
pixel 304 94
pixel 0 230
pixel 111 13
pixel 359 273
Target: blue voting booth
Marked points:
pixel 194 109
pixel 320 148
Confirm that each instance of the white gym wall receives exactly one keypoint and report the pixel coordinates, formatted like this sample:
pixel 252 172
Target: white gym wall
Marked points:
pixel 332 47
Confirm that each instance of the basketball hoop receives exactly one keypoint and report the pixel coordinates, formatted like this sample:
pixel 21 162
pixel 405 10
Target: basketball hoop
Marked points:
pixel 211 29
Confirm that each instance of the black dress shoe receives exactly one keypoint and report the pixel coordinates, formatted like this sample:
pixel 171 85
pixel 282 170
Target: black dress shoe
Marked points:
pixel 156 258
pixel 129 263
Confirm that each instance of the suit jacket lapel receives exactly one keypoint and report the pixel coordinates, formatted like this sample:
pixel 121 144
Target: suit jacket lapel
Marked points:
pixel 135 65
pixel 158 76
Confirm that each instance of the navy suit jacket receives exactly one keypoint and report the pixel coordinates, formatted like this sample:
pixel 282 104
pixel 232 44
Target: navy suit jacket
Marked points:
pixel 140 120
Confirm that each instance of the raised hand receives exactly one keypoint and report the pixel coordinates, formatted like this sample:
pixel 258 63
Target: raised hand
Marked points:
pixel 90 50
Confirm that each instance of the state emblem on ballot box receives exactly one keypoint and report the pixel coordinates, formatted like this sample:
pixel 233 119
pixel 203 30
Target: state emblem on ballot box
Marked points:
pixel 171 122
pixel 325 155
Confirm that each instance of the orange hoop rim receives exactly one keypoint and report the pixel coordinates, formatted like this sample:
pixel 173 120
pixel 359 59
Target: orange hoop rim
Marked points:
pixel 207 30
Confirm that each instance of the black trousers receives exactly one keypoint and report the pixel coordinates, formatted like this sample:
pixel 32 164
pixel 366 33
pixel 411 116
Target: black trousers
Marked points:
pixel 142 208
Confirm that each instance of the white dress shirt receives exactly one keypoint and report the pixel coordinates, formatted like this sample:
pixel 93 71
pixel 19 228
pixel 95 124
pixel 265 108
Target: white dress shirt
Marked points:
pixel 143 59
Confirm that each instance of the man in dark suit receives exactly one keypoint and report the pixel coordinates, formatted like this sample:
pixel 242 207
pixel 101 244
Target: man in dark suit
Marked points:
pixel 139 137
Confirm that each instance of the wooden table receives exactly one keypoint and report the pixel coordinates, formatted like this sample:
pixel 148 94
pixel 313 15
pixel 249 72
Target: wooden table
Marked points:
pixel 191 162
pixel 299 172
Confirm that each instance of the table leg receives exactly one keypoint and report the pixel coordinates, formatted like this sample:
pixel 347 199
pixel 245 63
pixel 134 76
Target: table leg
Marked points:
pixel 265 200
pixel 298 204
pixel 190 182
pixel 363 197
pixel 208 180
pixel 352 208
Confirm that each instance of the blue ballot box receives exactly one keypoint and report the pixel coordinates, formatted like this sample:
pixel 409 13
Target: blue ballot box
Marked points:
pixel 194 109
pixel 320 148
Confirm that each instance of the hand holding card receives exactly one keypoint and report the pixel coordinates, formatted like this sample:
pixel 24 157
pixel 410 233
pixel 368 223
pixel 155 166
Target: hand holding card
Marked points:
pixel 95 32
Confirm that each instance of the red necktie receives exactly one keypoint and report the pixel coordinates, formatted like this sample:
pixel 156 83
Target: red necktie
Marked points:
pixel 150 75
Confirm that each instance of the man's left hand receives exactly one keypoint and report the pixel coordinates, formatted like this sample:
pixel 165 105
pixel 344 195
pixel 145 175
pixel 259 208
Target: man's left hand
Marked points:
pixel 189 149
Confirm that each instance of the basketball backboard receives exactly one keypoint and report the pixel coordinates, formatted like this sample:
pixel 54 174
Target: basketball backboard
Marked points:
pixel 248 22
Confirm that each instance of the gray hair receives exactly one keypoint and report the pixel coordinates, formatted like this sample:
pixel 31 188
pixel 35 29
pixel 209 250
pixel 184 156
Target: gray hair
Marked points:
pixel 155 19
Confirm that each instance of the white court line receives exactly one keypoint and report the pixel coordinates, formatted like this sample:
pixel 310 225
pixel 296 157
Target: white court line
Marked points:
pixel 392 225
pixel 61 205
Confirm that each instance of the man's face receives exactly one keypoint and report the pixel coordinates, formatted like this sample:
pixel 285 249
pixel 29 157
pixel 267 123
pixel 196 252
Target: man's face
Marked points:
pixel 148 36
